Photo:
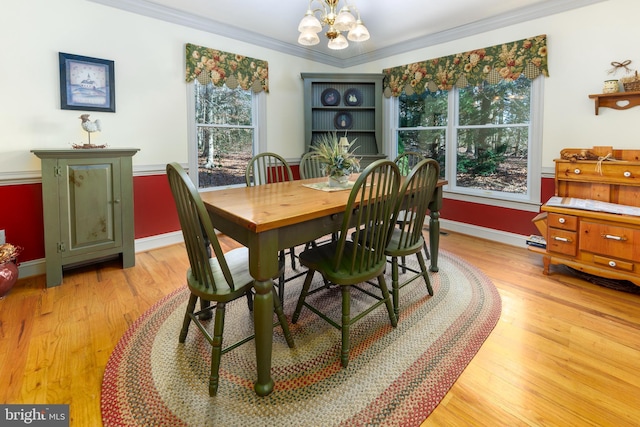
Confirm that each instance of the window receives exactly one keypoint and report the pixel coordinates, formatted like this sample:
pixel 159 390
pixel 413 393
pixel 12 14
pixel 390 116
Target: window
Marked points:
pixel 225 134
pixel 485 137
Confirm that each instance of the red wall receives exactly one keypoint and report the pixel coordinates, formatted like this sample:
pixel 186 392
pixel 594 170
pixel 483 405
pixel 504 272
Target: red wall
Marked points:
pixel 155 213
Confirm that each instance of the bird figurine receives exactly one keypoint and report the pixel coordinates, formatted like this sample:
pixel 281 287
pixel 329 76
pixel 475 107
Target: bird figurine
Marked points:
pixel 90 126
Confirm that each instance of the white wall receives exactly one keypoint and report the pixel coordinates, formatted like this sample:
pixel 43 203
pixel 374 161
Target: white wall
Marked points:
pixel 151 93
pixel 151 110
pixel 582 44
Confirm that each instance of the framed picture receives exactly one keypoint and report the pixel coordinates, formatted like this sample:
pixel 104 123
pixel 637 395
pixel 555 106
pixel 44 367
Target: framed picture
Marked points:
pixel 86 83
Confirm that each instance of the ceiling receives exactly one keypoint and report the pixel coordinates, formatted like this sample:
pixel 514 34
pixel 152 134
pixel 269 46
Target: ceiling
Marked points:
pixel 396 26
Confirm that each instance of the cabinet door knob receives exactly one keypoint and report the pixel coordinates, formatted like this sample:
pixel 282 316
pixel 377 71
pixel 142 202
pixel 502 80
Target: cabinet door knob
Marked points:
pixel 577 171
pixel 627 174
pixel 562 220
pixel 116 201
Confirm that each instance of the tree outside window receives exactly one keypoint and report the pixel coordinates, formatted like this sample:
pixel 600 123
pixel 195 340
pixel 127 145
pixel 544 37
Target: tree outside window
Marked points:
pixel 225 133
pixel 480 135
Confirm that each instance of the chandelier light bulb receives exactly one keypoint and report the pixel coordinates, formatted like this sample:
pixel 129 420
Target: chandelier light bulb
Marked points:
pixel 345 20
pixel 338 43
pixel 308 38
pixel 359 33
pixel 309 23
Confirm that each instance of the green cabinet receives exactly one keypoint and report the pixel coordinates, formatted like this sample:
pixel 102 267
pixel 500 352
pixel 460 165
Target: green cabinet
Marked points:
pixel 87 197
pixel 348 104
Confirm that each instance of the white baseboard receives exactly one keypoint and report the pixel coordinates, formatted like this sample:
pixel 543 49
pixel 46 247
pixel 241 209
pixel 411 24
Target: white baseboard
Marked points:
pixel 37 267
pixel 483 233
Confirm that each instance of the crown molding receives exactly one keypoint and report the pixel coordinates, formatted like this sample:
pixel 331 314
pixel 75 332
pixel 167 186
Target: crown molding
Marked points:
pixel 168 14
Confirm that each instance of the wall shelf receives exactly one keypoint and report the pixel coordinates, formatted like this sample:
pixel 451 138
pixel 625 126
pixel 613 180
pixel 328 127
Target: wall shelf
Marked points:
pixel 617 101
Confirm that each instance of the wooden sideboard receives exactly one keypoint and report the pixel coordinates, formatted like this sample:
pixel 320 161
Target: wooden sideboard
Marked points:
pixel 593 222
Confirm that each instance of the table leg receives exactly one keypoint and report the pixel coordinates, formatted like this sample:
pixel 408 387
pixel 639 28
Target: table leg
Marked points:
pixel 263 323
pixel 434 227
pixel 434 239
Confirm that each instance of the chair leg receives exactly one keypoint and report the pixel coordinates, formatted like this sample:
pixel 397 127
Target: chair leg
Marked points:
pixel 346 324
pixel 292 254
pixel 281 258
pixel 191 307
pixel 425 273
pixel 250 299
pixel 282 319
pixel 216 349
pixel 204 304
pixel 303 295
pixel 426 250
pixel 404 265
pixel 395 286
pixel 387 300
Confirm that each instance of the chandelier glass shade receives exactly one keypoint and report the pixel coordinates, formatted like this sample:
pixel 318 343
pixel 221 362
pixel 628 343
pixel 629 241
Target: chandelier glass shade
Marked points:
pixel 326 15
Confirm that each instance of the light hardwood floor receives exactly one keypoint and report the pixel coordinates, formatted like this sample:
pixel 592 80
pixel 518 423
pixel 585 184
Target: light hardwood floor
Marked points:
pixel 564 352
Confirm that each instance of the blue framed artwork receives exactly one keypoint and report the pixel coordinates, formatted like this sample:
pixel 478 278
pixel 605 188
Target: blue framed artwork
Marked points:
pixel 86 83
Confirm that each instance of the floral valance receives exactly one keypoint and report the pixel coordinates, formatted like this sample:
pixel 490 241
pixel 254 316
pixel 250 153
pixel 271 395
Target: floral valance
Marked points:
pixel 218 67
pixel 508 61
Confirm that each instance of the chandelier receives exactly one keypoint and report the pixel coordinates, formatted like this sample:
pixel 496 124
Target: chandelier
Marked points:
pixel 336 23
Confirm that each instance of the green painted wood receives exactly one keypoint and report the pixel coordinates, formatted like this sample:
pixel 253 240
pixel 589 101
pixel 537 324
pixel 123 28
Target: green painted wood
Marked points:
pixel 367 117
pixel 87 199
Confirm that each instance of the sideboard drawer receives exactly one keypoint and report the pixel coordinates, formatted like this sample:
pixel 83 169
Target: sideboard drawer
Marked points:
pixel 565 222
pixel 613 263
pixel 562 241
pixel 619 172
pixel 609 240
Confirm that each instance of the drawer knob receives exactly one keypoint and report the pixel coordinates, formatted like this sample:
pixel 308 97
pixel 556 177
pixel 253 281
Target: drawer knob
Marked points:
pixel 612 263
pixel 562 239
pixel 562 220
pixel 577 171
pixel 627 174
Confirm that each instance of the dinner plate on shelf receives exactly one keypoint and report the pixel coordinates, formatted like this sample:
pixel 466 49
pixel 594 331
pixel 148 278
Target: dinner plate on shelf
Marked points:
pixel 352 97
pixel 330 97
pixel 343 120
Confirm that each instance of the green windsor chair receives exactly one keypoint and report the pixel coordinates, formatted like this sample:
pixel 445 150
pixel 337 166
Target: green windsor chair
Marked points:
pixel 406 162
pixel 343 262
pixel 268 168
pixel 311 166
pixel 217 280
pixel 406 238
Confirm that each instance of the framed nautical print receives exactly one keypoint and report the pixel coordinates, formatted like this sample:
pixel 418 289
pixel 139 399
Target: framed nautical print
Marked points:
pixel 86 83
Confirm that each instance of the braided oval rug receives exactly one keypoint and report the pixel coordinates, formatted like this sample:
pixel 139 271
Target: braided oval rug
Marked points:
pixel 395 377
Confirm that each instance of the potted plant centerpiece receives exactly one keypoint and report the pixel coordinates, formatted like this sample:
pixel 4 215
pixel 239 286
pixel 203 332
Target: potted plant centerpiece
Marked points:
pixel 338 158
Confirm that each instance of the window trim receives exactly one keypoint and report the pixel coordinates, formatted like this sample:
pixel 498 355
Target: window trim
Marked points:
pixel 529 203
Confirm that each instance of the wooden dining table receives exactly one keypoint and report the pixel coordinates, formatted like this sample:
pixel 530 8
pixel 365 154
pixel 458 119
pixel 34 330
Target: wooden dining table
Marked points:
pixel 271 217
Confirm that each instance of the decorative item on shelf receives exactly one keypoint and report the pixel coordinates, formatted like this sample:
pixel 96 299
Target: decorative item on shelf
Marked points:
pixel 611 86
pixel 631 83
pixel 352 97
pixel 337 156
pixel 90 127
pixel 8 267
pixel 336 22
pixel 330 97
pixel 343 120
